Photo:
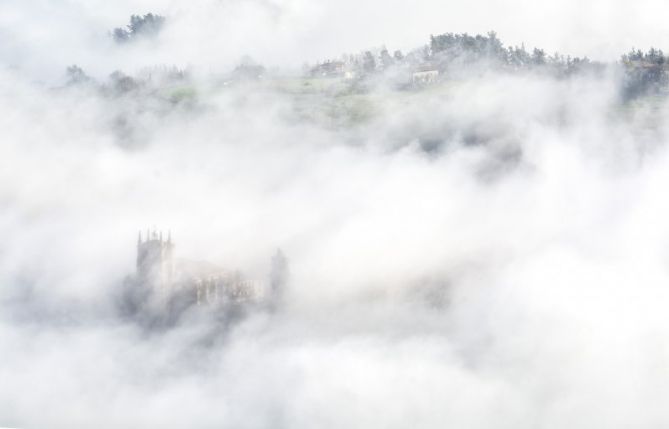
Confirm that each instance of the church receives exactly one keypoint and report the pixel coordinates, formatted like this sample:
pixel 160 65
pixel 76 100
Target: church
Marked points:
pixel 164 283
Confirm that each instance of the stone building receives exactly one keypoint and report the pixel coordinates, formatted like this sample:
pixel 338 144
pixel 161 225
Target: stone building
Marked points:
pixel 163 282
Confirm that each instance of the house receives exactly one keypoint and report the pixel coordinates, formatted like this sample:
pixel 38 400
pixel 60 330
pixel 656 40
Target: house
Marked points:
pixel 329 69
pixel 424 75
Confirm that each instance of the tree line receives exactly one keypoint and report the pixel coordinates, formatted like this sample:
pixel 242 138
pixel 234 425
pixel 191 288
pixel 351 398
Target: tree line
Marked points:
pixel 449 54
pixel 454 53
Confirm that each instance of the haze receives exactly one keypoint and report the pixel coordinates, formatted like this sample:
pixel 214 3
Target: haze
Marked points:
pixel 489 250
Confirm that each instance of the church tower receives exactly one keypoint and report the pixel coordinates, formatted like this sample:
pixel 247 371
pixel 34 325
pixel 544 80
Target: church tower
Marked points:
pixel 155 265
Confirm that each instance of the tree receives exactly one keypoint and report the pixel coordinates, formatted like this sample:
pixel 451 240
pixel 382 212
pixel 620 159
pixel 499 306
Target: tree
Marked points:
pixel 122 83
pixel 518 57
pixel 148 25
pixel 120 35
pixel 538 57
pixel 368 62
pixel 385 59
pixel 494 46
pixel 75 75
pixel 644 72
pixel 464 48
pixel 248 69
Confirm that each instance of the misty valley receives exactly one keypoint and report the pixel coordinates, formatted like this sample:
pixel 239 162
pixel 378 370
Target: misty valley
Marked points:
pixel 458 233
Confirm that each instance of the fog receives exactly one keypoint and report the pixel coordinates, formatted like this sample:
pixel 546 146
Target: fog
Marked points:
pixel 41 37
pixel 489 253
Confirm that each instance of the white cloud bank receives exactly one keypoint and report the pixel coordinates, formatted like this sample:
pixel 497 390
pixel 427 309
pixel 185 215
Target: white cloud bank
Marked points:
pixel 518 282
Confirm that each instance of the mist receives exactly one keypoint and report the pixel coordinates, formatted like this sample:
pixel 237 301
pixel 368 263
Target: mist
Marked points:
pixel 42 38
pixel 489 251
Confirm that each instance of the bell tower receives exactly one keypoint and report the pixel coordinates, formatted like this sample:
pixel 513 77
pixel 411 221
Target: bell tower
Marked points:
pixel 155 265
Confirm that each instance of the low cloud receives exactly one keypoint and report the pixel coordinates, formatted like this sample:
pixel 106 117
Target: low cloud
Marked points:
pixel 490 252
